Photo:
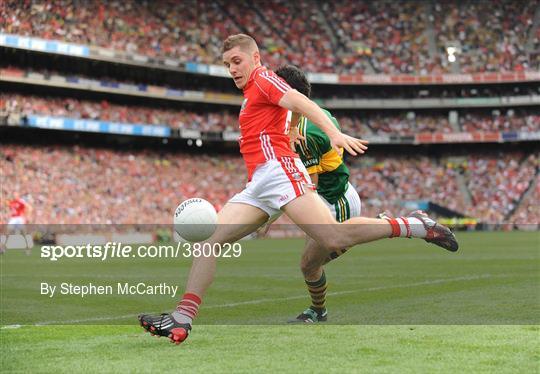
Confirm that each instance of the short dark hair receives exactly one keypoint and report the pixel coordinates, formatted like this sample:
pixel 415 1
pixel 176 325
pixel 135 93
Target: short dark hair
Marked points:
pixel 296 78
pixel 245 42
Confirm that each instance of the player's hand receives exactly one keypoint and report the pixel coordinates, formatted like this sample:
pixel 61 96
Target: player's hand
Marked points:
pixel 354 146
pixel 295 137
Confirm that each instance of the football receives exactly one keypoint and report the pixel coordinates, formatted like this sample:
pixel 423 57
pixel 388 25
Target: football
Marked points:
pixel 195 220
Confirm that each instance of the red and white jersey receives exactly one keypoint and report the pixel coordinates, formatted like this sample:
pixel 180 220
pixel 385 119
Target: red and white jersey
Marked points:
pixel 17 207
pixel 264 125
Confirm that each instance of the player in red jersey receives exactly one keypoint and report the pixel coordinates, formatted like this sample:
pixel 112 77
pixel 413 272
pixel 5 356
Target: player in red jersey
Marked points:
pixel 19 210
pixel 278 182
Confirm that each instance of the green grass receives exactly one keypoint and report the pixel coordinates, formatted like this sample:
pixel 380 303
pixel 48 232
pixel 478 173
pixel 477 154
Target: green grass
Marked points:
pixel 395 305
pixel 249 349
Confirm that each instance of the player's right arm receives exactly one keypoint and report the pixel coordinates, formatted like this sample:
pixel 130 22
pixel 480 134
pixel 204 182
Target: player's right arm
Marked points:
pixel 296 102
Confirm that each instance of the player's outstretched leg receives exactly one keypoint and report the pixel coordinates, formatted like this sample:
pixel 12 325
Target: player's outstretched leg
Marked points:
pixel 235 221
pixel 321 226
pixel 176 325
pixel 165 325
pixel 435 232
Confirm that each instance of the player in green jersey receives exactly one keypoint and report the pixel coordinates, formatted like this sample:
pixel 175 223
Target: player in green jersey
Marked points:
pixel 331 176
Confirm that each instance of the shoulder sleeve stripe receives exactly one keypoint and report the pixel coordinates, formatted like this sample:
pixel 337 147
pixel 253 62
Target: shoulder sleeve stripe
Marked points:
pixel 283 87
pixel 281 82
pixel 276 82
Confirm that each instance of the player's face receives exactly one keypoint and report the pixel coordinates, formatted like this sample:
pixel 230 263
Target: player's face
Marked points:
pixel 240 65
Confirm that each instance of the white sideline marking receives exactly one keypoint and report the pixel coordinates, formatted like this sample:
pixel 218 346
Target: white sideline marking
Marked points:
pixel 436 281
pixel 262 301
pixel 11 327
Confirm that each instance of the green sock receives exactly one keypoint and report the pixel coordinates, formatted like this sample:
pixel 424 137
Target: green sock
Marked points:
pixel 317 291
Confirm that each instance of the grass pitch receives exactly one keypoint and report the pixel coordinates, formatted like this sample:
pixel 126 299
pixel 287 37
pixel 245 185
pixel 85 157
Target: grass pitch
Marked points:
pixel 394 305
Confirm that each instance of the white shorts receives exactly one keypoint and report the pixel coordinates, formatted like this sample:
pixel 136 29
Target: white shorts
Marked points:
pixel 274 184
pixel 347 206
pixel 16 223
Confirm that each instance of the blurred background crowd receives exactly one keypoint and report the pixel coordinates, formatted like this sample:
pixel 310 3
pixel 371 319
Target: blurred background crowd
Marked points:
pixel 359 123
pixel 93 185
pixel 342 36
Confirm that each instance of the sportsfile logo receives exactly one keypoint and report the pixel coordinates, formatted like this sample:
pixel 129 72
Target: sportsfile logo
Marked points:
pixel 114 250
pixel 109 250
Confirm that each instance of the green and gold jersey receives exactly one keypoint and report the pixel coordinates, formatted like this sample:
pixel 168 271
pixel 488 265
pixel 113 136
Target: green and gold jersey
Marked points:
pixel 320 158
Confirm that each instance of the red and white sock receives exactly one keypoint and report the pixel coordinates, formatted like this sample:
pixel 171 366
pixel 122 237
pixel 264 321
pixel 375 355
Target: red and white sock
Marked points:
pixel 187 308
pixel 407 227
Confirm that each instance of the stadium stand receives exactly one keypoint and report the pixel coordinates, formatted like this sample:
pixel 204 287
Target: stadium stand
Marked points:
pixel 111 81
pixel 528 212
pixel 400 123
pixel 341 37
pixel 384 181
pixel 107 111
pixel 74 184
pixel 489 35
pixel 505 120
pixel 344 36
pixel 114 25
pixel 388 37
pixel 498 184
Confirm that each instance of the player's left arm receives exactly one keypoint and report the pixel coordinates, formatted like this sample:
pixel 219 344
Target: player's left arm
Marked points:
pixel 296 102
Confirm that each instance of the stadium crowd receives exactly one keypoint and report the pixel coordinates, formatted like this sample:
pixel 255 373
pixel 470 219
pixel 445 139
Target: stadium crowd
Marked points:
pixel 501 120
pixel 108 111
pixel 363 123
pixel 343 36
pixel 497 184
pixel 109 80
pixel 72 184
pixel 528 213
pixel 89 185
pixel 412 178
pixel 490 35
pixel 402 123
pixel 388 37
